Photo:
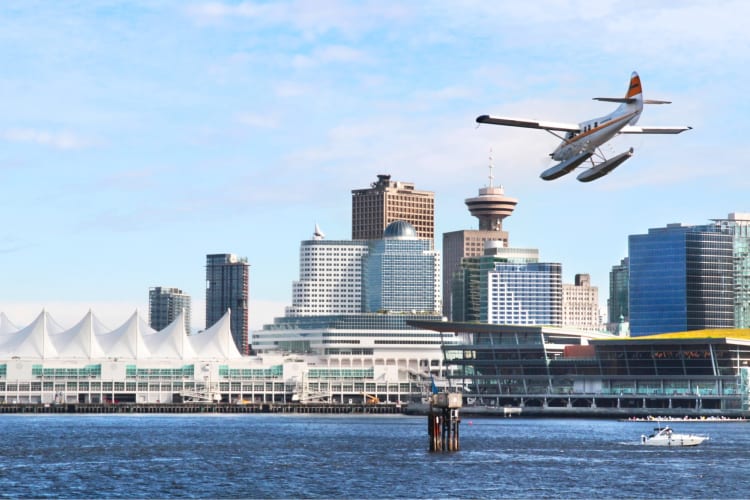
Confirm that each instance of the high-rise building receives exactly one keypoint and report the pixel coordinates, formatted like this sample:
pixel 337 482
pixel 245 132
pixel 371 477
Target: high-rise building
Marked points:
pixel 618 310
pixel 165 305
pixel 477 299
pixel 490 207
pixel 738 225
pixel 401 272
pixel 387 201
pixel 330 277
pixel 681 278
pixel 523 294
pixel 470 281
pixel 580 304
pixel 227 284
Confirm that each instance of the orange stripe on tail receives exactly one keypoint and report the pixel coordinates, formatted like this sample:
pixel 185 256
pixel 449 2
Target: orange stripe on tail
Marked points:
pixel 635 86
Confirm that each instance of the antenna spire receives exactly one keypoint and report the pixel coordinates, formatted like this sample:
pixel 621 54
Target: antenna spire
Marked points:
pixel 492 177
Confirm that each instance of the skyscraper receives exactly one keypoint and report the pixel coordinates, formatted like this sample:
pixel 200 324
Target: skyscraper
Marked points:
pixel 165 304
pixel 227 283
pixel 617 304
pixel 401 272
pixel 523 294
pixel 470 283
pixel 738 225
pixel 387 201
pixel 490 207
pixel 330 277
pixel 580 304
pixel 681 278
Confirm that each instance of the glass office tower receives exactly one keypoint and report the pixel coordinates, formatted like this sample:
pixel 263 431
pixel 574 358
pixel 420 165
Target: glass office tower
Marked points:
pixel 401 272
pixel 522 294
pixel 227 283
pixel 681 278
pixel 165 304
pixel 617 305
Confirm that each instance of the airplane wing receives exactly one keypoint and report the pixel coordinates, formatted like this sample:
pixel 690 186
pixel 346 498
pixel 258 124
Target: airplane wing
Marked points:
pixel 634 129
pixel 521 122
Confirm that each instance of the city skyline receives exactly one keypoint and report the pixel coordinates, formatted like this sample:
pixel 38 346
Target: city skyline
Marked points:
pixel 138 138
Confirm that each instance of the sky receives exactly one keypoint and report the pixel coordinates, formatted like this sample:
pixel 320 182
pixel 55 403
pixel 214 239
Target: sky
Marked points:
pixel 136 137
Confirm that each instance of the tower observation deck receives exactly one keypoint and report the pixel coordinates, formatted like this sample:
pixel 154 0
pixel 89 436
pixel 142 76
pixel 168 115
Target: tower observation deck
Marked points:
pixel 491 206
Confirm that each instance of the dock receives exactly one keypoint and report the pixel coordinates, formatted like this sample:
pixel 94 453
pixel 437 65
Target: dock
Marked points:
pixel 175 408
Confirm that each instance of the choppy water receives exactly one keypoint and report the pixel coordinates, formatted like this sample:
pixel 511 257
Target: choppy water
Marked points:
pixel 288 456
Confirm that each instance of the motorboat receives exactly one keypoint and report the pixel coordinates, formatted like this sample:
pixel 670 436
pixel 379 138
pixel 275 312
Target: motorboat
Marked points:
pixel 665 436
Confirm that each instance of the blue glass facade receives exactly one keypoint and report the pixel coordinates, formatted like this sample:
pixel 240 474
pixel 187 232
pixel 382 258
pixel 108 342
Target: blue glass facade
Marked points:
pixel 399 275
pixel 522 294
pixel 681 278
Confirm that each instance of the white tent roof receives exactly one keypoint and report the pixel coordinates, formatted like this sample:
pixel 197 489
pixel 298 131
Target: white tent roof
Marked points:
pixel 90 339
pixel 6 326
pixel 126 341
pixel 171 342
pixel 81 340
pixel 32 341
pixel 217 341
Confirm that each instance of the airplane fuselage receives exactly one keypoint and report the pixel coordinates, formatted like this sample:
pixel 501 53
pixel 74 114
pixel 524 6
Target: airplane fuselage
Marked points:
pixel 594 133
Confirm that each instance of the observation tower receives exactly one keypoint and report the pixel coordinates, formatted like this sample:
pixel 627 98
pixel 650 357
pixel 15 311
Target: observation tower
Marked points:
pixel 491 206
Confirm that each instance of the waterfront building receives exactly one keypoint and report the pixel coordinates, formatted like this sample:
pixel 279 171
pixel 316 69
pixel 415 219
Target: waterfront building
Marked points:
pixel 391 359
pixel 90 363
pixel 580 304
pixel 391 356
pixel 340 359
pixel 387 201
pixel 490 207
pixel 330 277
pixel 227 284
pixel 681 278
pixel 401 272
pixel 563 369
pixel 618 310
pixel 165 305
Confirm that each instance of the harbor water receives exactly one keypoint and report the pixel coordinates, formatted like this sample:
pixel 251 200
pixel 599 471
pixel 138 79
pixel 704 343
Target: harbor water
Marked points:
pixel 333 456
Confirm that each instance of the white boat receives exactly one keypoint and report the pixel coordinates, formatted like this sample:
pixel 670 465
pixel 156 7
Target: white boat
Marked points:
pixel 664 436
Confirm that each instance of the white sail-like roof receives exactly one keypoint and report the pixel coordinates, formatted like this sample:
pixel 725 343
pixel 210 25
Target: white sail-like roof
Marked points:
pixel 135 339
pixel 127 340
pixel 81 341
pixel 171 342
pixel 216 342
pixel 6 325
pixel 32 341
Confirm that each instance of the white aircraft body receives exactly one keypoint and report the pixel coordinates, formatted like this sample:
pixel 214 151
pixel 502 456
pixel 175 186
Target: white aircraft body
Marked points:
pixel 582 141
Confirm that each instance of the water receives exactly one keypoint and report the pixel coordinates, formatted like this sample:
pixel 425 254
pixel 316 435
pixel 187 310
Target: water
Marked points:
pixel 291 456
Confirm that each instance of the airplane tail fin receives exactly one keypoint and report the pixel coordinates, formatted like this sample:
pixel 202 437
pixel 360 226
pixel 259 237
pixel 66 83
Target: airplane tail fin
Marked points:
pixel 634 89
pixel 633 98
pixel 634 95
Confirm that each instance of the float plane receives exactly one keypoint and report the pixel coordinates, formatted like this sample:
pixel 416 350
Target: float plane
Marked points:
pixel 582 141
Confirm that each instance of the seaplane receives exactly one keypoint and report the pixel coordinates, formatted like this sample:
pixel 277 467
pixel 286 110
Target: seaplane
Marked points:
pixel 582 142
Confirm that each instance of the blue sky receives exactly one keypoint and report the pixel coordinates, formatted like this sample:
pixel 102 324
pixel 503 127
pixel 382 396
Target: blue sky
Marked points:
pixel 137 137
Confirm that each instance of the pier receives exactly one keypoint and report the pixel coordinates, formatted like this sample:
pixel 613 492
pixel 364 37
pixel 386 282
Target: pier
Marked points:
pixel 173 408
